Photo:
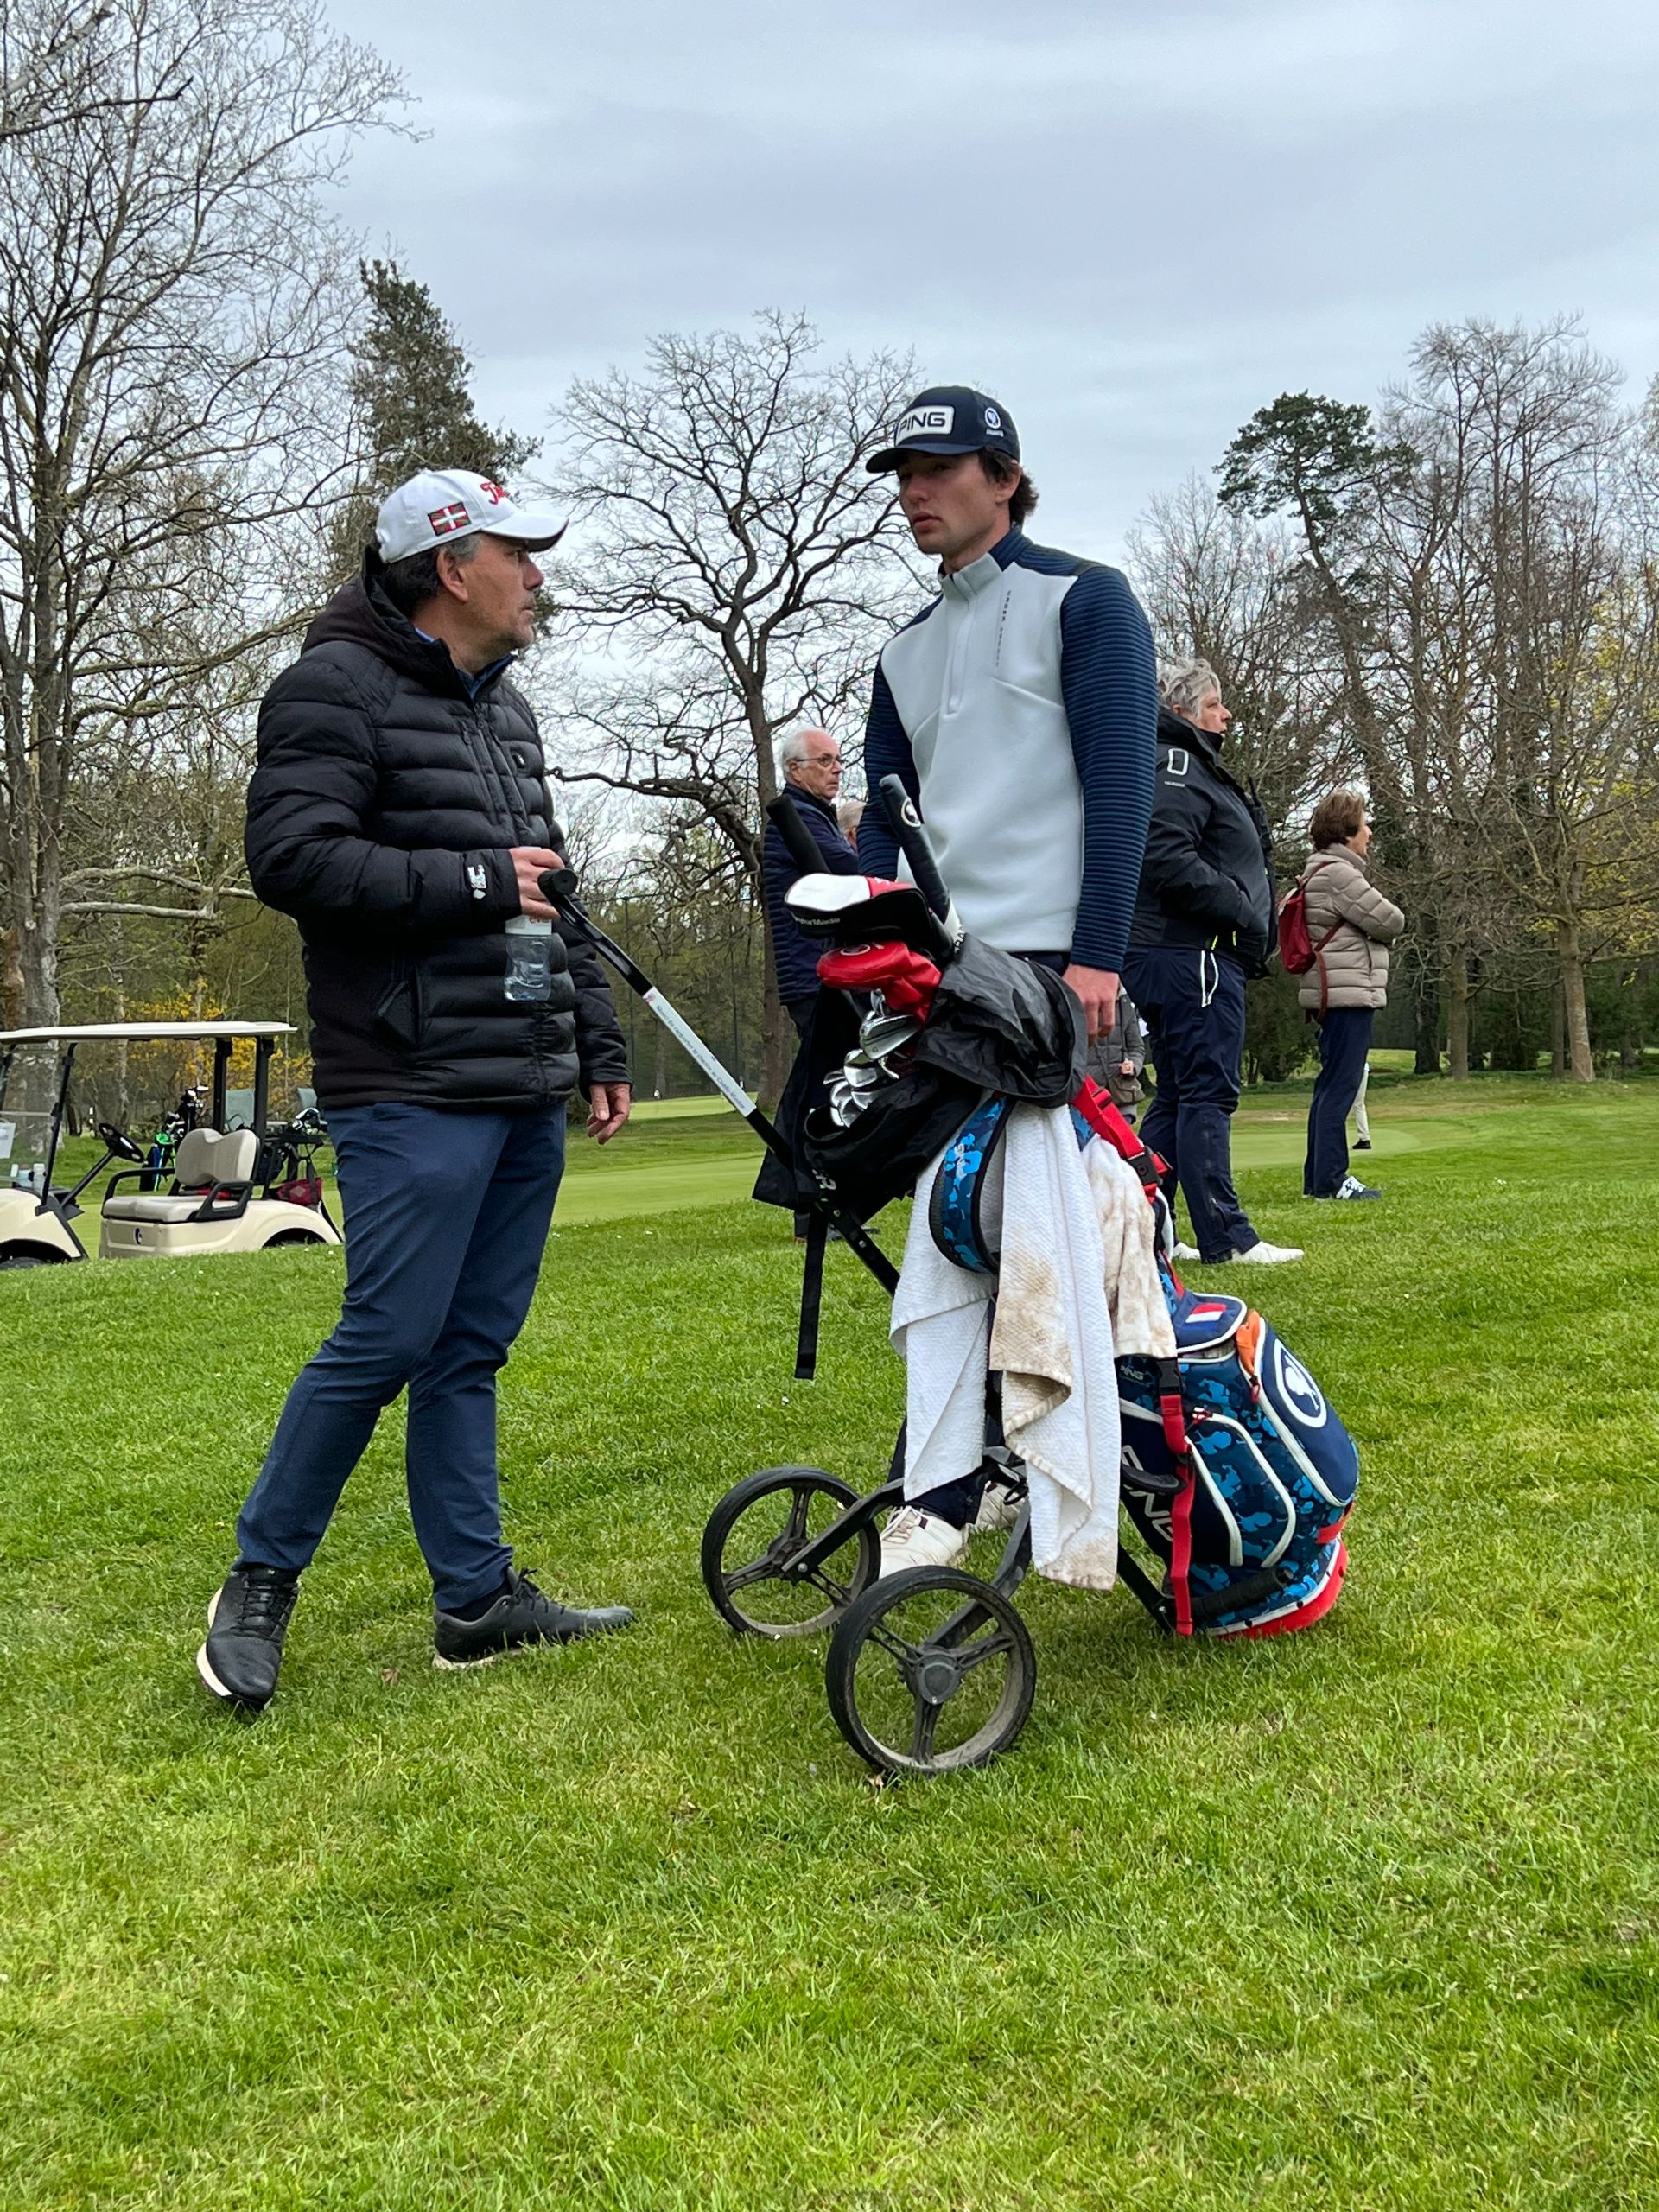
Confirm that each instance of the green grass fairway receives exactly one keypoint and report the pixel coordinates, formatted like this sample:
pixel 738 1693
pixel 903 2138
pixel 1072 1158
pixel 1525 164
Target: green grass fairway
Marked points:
pixel 1364 1921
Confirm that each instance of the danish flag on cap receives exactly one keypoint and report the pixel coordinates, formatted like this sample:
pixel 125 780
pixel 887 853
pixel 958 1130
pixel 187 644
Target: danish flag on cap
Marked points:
pixel 450 503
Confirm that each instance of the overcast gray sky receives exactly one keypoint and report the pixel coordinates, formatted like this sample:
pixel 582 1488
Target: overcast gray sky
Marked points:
pixel 1133 221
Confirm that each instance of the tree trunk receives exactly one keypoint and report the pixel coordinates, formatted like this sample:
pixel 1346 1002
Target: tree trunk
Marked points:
pixel 11 979
pixel 38 958
pixel 1427 1011
pixel 1569 954
pixel 1456 1015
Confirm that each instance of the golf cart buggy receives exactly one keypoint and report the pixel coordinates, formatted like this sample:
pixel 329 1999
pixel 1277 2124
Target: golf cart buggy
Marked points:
pixel 201 1187
pixel 1209 1438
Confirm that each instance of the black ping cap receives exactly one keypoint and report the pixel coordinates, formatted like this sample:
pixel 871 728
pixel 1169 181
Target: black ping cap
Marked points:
pixel 949 418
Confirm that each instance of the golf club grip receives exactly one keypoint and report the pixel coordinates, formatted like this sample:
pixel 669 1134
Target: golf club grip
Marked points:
pixel 801 845
pixel 913 844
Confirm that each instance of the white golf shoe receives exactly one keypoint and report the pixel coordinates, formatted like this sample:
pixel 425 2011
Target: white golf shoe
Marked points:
pixel 996 1511
pixel 1187 1252
pixel 1263 1255
pixel 912 1538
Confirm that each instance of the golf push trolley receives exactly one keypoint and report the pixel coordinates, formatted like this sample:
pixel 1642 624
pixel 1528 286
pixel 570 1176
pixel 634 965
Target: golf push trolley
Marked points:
pixel 932 1668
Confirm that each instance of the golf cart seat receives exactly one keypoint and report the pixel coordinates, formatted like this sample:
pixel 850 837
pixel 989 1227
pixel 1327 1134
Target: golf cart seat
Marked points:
pixel 207 1167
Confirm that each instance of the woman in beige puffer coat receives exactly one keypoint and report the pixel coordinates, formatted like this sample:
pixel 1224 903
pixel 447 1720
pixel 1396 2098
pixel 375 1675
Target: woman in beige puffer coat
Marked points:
pixel 1352 925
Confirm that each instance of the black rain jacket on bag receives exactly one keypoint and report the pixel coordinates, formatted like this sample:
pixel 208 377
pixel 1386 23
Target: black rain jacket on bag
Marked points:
pixel 380 815
pixel 997 1023
pixel 1205 879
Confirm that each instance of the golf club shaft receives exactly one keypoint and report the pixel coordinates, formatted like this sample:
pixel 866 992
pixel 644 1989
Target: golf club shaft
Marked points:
pixel 559 889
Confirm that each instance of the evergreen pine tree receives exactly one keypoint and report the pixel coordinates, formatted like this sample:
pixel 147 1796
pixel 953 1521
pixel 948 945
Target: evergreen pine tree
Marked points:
pixel 412 404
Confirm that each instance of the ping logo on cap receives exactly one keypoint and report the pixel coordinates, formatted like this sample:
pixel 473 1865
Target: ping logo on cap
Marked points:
pixel 993 420
pixel 923 423
pixel 445 519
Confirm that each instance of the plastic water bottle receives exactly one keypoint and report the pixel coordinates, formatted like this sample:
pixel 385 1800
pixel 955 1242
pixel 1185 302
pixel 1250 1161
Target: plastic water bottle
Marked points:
pixel 529 958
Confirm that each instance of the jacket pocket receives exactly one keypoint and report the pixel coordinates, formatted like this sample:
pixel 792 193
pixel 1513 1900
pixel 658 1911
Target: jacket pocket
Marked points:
pixel 397 1013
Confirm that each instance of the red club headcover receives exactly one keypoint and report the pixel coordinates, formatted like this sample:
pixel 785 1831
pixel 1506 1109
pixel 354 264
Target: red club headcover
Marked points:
pixel 905 979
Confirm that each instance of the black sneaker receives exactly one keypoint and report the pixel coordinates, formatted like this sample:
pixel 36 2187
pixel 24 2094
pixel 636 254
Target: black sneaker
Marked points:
pixel 521 1615
pixel 247 1622
pixel 1362 1144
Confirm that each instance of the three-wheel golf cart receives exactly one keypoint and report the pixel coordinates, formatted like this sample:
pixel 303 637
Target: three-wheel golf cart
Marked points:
pixel 239 1190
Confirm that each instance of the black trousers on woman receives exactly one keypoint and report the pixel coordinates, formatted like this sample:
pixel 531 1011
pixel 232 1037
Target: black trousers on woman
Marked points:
pixel 1344 1040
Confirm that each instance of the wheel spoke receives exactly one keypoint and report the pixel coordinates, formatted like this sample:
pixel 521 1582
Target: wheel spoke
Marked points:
pixel 759 1570
pixel 837 1592
pixel 922 1733
pixel 890 1642
pixel 969 1656
pixel 800 1505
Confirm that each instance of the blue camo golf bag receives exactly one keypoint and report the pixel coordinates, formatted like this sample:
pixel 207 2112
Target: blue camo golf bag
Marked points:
pixel 1253 1541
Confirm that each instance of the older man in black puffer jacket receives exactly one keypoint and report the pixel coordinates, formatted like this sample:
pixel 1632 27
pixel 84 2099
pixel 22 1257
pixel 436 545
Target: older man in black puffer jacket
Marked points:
pixel 399 812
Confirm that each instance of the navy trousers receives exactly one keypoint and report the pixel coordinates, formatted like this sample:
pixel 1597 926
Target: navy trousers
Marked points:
pixel 1192 1004
pixel 446 1218
pixel 1344 1041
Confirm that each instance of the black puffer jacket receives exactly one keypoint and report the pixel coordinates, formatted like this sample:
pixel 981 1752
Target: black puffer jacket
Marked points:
pixel 380 816
pixel 1204 880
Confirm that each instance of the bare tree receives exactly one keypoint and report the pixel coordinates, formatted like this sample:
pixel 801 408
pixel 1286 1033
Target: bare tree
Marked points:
pixel 1219 584
pixel 47 78
pixel 173 305
pixel 1531 638
pixel 738 573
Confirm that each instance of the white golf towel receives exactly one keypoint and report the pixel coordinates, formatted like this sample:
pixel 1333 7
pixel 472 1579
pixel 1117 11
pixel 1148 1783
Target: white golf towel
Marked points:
pixel 1077 1241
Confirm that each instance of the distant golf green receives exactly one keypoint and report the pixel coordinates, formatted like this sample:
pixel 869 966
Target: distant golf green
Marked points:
pixel 681 1152
pixel 714 1157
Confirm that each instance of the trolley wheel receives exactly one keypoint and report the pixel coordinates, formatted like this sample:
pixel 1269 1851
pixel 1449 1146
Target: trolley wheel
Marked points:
pixel 930 1670
pixel 759 1527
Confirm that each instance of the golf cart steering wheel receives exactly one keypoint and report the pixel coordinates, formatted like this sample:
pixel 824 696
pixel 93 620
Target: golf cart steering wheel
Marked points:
pixel 117 1142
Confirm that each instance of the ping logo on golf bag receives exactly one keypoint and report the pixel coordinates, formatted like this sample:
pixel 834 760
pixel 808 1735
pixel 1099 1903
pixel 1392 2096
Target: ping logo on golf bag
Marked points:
pixel 1300 1395
pixel 1274 1472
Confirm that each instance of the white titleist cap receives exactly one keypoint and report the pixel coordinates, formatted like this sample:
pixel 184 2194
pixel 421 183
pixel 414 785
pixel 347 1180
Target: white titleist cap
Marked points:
pixel 441 505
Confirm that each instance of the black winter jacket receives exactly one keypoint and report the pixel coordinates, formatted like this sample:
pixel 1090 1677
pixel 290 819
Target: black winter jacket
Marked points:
pixel 379 815
pixel 1205 879
pixel 794 952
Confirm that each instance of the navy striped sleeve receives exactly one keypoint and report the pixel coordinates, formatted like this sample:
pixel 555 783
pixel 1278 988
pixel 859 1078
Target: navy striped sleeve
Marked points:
pixel 887 752
pixel 1109 684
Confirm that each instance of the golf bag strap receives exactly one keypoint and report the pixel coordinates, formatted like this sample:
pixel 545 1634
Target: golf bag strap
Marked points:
pixel 1093 1105
pixel 806 1342
pixel 1172 1412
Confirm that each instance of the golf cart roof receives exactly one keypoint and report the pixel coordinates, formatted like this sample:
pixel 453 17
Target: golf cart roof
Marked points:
pixel 144 1033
